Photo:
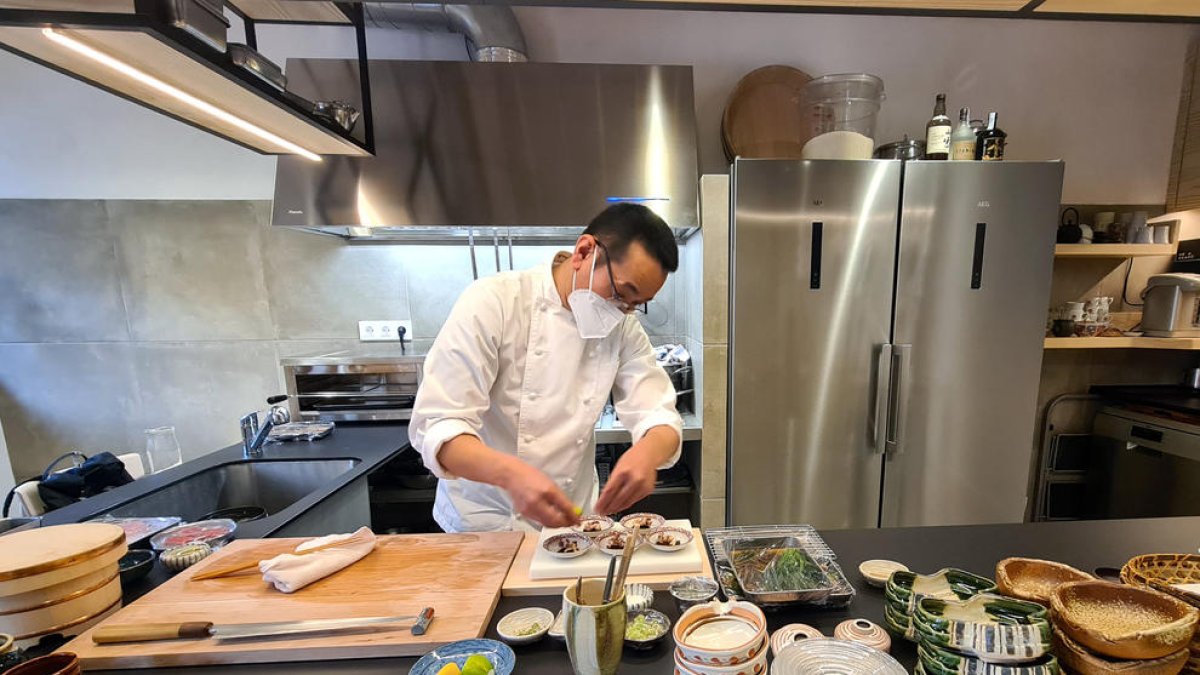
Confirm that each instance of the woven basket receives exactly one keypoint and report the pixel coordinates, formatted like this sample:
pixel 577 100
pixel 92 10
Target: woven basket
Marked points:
pixel 1159 571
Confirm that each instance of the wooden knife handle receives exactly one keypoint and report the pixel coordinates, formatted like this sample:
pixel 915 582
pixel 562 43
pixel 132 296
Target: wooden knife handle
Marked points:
pixel 139 632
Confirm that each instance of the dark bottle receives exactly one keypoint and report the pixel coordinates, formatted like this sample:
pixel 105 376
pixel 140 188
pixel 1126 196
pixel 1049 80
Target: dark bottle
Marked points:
pixel 937 131
pixel 991 141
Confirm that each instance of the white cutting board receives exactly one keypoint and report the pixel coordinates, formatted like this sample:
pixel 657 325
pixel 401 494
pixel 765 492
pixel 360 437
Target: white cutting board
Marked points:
pixel 594 563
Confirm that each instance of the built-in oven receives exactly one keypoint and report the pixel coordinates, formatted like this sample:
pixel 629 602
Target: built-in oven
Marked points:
pixel 350 387
pixel 1145 464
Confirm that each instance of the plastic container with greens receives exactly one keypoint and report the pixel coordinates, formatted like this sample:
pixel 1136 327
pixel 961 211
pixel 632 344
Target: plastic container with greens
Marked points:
pixel 778 570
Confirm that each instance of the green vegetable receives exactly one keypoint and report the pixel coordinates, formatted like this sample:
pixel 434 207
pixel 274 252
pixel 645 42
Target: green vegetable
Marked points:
pixel 531 630
pixel 641 629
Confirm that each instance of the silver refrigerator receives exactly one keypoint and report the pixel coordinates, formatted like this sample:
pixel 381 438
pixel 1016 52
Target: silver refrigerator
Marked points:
pixel 886 335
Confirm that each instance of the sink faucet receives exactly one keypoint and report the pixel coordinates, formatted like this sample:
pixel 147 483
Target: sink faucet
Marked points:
pixel 253 436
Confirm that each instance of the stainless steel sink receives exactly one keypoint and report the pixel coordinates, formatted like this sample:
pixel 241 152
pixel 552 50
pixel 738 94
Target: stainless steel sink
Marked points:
pixel 271 484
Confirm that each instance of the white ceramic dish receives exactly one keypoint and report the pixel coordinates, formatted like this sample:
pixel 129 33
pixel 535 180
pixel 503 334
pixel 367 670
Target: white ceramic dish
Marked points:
pixel 642 521
pixel 826 655
pixel 593 526
pixel 557 629
pixel 877 572
pixel 567 545
pixel 638 597
pixel 525 626
pixel 669 539
pixel 609 542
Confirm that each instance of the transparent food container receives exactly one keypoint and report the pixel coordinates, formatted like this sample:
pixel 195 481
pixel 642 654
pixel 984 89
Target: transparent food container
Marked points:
pixel 843 104
pixel 778 570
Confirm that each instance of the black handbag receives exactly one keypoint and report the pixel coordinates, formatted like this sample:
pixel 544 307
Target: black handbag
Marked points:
pixel 97 474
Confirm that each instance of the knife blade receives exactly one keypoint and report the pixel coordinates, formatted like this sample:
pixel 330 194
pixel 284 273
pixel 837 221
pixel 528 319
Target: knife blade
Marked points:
pixel 237 631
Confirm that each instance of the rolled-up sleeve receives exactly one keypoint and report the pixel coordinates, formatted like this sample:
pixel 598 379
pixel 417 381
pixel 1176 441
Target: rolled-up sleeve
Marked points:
pixel 458 376
pixel 642 392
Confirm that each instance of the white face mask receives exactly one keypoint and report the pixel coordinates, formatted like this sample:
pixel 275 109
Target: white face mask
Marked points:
pixel 595 317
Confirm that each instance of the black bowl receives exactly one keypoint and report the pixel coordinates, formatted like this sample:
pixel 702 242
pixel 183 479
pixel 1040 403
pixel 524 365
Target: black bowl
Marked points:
pixel 135 565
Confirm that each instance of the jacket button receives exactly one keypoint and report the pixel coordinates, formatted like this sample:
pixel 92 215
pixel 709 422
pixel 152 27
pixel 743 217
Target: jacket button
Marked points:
pixel 533 396
pixel 538 352
pixel 587 401
pixel 529 439
pixel 579 442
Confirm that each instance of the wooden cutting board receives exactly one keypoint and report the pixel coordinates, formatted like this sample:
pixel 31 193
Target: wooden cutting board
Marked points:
pixel 459 575
pixel 520 583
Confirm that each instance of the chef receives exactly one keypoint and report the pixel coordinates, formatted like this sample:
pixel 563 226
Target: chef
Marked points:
pixel 522 369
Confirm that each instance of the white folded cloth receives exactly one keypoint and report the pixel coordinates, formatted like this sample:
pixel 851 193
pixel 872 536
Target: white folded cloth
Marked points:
pixel 289 573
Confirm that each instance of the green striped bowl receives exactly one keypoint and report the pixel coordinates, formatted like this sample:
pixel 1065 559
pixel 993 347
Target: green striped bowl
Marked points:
pixel 938 661
pixel 990 627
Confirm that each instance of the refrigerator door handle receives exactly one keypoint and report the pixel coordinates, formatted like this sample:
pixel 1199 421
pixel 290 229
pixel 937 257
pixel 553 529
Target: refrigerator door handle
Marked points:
pixel 883 371
pixel 897 399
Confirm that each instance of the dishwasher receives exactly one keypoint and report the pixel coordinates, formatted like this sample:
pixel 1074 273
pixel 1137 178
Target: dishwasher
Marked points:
pixel 1146 462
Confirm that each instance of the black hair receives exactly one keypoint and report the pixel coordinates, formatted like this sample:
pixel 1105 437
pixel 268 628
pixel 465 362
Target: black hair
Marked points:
pixel 624 223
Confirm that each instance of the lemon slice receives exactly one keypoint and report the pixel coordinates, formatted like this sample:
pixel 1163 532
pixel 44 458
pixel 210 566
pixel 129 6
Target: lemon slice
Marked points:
pixel 449 669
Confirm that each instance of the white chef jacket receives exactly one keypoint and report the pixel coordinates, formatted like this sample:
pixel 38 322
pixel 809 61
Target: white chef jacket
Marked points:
pixel 510 367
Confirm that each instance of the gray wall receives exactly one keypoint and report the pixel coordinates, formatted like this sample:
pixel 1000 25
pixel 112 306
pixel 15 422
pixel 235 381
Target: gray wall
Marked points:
pixel 117 316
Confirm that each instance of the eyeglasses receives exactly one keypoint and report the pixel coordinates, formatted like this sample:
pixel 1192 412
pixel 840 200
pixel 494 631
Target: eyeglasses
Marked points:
pixel 621 303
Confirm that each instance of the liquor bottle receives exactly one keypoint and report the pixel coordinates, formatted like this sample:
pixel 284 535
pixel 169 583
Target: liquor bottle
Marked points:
pixel 962 143
pixel 990 145
pixel 937 132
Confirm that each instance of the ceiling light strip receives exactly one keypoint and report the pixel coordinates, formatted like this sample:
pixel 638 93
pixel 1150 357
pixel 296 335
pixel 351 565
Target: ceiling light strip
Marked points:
pixel 178 94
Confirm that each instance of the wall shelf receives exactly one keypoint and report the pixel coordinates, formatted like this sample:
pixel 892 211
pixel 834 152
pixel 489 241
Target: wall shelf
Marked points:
pixel 1122 343
pixel 1113 250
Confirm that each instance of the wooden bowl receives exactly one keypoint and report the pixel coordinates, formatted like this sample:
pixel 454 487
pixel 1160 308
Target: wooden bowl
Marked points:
pixel 1123 622
pixel 1161 571
pixel 1076 659
pixel 1032 579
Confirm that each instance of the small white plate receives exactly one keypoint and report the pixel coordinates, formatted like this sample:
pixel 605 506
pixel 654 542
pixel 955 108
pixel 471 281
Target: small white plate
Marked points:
pixel 567 545
pixel 603 542
pixel 877 572
pixel 558 630
pixel 642 521
pixel 604 525
pixel 525 625
pixel 679 537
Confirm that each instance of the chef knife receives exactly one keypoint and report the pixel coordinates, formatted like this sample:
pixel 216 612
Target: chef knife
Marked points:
pixel 203 629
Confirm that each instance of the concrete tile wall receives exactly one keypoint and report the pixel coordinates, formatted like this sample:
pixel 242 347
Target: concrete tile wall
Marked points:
pixel 713 325
pixel 118 316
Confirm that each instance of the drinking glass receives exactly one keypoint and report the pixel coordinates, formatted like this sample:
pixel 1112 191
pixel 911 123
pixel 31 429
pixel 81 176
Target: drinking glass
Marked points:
pixel 162 449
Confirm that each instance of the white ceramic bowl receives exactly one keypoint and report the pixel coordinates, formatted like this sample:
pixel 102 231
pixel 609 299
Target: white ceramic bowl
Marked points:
pixel 694 649
pixel 793 632
pixel 642 521
pixel 877 572
pixel 677 538
pixel 638 597
pixel 755 666
pixel 600 525
pixel 608 544
pixel 567 545
pixel 525 625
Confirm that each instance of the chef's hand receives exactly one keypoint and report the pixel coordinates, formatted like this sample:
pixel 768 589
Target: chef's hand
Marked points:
pixel 635 473
pixel 536 497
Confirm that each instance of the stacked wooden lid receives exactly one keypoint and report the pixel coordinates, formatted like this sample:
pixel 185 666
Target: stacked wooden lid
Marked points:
pixel 59 579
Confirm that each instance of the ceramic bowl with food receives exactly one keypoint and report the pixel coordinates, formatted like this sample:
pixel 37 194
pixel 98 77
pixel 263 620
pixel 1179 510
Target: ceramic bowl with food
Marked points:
pixel 642 521
pixel 646 628
pixel 1123 622
pixel 1035 580
pixel 215 533
pixel 525 626
pixel 755 666
pixel 669 539
pixel 1076 659
pixel 613 543
pixel 721 634
pixel 567 545
pixel 593 525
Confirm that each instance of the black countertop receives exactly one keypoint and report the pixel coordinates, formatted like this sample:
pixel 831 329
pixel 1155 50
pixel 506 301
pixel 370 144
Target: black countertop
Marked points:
pixel 1085 545
pixel 370 444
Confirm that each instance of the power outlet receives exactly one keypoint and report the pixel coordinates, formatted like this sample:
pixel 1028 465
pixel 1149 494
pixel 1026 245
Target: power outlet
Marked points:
pixel 384 331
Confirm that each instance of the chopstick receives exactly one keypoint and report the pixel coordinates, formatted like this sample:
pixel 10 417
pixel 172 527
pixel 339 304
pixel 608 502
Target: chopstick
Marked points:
pixel 619 583
pixel 234 569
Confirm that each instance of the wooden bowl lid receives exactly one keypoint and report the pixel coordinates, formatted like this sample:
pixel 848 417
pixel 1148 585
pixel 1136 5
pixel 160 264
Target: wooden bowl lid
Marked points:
pixel 764 117
pixel 45 549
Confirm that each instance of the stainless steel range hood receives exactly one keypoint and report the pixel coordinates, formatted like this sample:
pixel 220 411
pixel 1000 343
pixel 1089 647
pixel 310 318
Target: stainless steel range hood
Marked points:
pixel 528 149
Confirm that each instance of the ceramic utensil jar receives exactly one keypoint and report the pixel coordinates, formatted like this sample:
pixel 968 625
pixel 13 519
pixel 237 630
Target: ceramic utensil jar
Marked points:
pixel 595 631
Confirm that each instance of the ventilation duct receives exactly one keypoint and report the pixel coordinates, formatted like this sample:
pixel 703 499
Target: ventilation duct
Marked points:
pixel 492 31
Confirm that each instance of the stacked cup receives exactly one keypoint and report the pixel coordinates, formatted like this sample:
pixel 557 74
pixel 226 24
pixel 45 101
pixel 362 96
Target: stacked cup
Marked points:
pixel 721 638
